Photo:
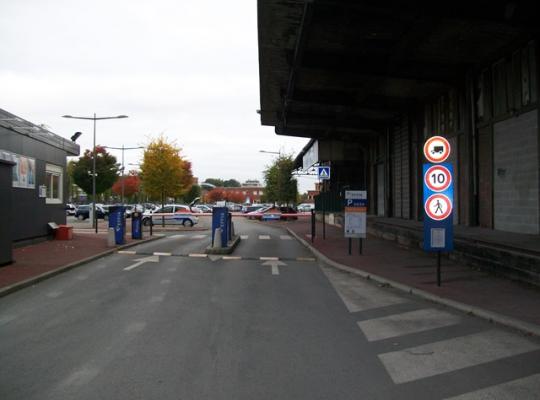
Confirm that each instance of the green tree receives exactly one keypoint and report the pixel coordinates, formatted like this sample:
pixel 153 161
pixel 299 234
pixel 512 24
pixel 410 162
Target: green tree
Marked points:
pixel 214 181
pixel 164 172
pixel 281 186
pixel 231 183
pixel 192 194
pixel 106 171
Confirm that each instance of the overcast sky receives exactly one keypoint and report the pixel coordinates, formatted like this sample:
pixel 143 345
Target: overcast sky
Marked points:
pixel 188 69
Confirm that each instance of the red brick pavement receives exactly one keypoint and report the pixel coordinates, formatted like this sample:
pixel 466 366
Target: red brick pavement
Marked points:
pixel 417 269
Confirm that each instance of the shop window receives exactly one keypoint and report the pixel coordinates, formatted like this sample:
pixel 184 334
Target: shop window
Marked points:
pixel 53 183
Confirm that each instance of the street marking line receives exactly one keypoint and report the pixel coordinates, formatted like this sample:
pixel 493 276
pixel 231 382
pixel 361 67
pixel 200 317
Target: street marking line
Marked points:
pixel 127 252
pixel 198 255
pixel 526 388
pixel 176 236
pixel 264 237
pixel 212 257
pixel 269 258
pixel 406 323
pixel 450 355
pixel 275 269
pixel 54 294
pixel 231 258
pixel 285 237
pixel 244 237
pixel 305 259
pixel 157 253
pixel 359 295
pixel 198 236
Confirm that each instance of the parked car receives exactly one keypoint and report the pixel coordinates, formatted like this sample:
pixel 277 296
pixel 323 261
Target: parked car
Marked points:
pixel 253 207
pixel 233 207
pixel 203 207
pixel 305 207
pixel 171 214
pixel 70 209
pixel 83 212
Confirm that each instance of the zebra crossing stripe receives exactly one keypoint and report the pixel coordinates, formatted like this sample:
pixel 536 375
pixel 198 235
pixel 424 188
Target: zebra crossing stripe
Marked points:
pixel 127 252
pixel 198 255
pixel 176 236
pixel 527 388
pixel 157 253
pixel 198 236
pixel 231 258
pixel 285 237
pixel 269 258
pixel 449 355
pixel 264 237
pixel 406 323
pixel 244 237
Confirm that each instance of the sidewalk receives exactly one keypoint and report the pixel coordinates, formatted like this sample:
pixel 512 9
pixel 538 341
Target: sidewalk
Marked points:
pixel 37 261
pixel 505 301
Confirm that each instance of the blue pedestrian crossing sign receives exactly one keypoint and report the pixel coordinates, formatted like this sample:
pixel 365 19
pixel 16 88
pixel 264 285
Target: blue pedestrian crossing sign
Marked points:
pixel 323 172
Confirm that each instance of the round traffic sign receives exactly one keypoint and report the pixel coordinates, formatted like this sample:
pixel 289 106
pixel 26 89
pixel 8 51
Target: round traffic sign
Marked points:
pixel 436 149
pixel 438 207
pixel 438 178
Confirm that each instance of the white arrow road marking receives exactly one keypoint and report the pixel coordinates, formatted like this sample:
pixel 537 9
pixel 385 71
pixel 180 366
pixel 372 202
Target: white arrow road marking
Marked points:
pixel 274 264
pixel 141 261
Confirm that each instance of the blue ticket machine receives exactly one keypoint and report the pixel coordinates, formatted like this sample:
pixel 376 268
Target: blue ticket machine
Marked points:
pixel 136 225
pixel 117 220
pixel 220 219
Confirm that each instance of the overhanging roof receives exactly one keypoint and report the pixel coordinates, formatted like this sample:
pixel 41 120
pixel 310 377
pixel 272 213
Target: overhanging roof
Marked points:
pixel 329 68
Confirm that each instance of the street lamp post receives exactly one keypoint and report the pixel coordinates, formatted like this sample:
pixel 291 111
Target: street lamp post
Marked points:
pixel 94 118
pixel 123 168
pixel 270 152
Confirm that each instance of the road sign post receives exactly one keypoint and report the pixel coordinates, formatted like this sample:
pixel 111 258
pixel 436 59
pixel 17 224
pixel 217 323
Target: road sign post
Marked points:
pixel 355 216
pixel 438 199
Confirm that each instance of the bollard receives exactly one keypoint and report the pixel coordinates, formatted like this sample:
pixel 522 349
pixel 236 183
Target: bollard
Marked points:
pixel 111 241
pixel 216 239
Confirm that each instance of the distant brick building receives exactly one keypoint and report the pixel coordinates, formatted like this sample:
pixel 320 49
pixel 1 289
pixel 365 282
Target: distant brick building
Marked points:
pixel 251 194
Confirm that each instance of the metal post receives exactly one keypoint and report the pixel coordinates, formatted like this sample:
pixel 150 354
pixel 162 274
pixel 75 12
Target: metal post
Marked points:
pixel 151 225
pixel 323 219
pixel 312 225
pixel 123 174
pixel 360 246
pixel 438 268
pixel 94 218
pixel 350 246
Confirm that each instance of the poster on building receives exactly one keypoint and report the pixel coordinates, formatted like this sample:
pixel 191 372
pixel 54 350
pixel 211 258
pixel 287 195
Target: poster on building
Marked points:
pixel 355 213
pixel 24 170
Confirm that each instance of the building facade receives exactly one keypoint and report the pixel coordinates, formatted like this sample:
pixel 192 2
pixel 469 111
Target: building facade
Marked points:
pixel 39 185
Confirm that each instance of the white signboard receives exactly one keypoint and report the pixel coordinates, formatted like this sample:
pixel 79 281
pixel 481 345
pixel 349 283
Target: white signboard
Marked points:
pixel 355 213
pixel 311 157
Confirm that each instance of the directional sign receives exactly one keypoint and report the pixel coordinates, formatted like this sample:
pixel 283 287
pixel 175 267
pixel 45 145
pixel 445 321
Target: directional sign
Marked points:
pixel 436 149
pixel 323 172
pixel 275 264
pixel 438 178
pixel 438 207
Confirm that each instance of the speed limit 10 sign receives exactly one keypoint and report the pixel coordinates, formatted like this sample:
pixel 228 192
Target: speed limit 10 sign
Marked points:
pixel 438 178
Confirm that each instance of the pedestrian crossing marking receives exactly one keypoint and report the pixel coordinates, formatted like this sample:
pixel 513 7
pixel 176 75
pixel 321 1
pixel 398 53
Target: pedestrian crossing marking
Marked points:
pixel 269 258
pixel 359 295
pixel 158 253
pixel 264 237
pixel 127 252
pixel 176 236
pixel 244 237
pixel 406 323
pixel 527 388
pixel 231 258
pixel 198 255
pixel 198 236
pixel 285 237
pixel 450 355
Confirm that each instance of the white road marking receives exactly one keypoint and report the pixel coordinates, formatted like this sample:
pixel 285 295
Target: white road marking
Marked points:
pixel 127 252
pixel 135 327
pixel 165 281
pixel 157 253
pixel 82 277
pixel 453 354
pixel 406 323
pixel 527 388
pixel 359 295
pixel 54 294
pixel 141 261
pixel 285 237
pixel 198 255
pixel 80 377
pixel 214 257
pixel 231 258
pixel 176 236
pixel 244 237
pixel 269 258
pixel 198 236
pixel 274 264
pixel 264 237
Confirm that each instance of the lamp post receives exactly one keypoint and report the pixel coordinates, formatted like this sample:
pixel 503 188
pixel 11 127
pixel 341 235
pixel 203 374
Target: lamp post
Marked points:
pixel 94 118
pixel 270 152
pixel 123 168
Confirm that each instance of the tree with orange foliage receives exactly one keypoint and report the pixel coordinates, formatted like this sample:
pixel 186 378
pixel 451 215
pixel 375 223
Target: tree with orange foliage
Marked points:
pixel 215 195
pixel 132 184
pixel 164 172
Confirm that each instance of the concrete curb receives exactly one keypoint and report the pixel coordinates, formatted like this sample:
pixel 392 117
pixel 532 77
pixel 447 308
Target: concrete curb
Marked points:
pixel 522 326
pixel 224 250
pixel 49 274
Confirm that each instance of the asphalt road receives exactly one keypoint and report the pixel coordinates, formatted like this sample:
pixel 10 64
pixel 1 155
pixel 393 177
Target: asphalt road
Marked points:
pixel 177 325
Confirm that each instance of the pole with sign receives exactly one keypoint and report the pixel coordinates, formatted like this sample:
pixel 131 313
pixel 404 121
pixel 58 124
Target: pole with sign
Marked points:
pixel 438 199
pixel 355 216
